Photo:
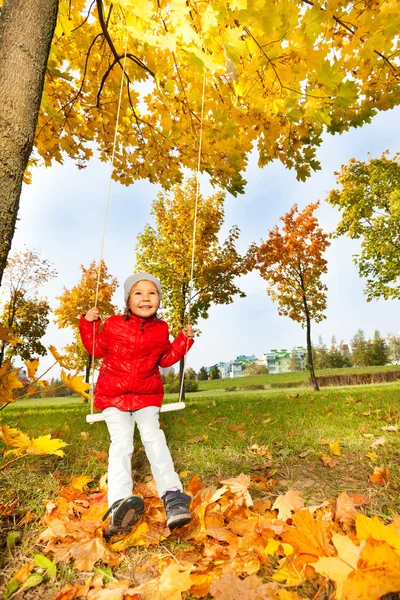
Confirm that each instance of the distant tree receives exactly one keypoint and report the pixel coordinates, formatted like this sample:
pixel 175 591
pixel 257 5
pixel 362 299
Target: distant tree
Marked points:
pixel 360 350
pixel 292 262
pixel 320 355
pixel 165 250
pixel 30 323
pixel 369 200
pixel 190 374
pixel 77 301
pixel 255 369
pixel 25 274
pixel 214 373
pixel 394 349
pixel 379 350
pixel 295 362
pixel 202 374
pixel 170 377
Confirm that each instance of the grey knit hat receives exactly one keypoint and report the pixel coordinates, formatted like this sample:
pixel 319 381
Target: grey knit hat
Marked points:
pixel 142 276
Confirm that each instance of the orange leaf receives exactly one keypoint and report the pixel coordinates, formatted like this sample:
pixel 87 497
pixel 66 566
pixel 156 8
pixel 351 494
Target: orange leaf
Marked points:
pixel 309 535
pixel 380 476
pixel 288 503
pixel 346 513
pixel 231 587
pixel 22 574
pixel 86 553
pixel 328 461
pixel 239 486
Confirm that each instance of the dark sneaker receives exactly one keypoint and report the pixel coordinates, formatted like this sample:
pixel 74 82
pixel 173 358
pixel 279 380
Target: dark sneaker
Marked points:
pixel 176 506
pixel 124 514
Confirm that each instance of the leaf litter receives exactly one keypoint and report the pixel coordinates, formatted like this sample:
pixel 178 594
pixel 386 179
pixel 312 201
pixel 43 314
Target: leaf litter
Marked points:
pixel 234 547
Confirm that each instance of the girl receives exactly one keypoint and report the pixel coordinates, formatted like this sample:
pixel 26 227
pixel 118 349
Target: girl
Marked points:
pixel 129 391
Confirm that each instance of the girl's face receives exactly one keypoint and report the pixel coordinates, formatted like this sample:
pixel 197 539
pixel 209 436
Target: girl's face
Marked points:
pixel 144 299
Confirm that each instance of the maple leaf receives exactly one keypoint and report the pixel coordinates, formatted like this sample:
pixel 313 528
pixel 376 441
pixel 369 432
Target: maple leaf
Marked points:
pixel 8 381
pixel 86 553
pixel 380 476
pixel 231 587
pixel 14 438
pixel 80 483
pixel 76 383
pixel 288 503
pixel 338 568
pixel 239 486
pixel 62 361
pixel 372 527
pixel 32 367
pixel 174 580
pixel 377 573
pixel 328 461
pixel 334 448
pixel 45 444
pixel 261 451
pixel 309 535
pixel 6 335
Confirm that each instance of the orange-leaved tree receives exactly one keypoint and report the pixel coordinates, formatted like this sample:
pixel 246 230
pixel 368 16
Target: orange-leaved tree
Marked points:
pixel 165 250
pixel 292 261
pixel 77 301
pixel 279 73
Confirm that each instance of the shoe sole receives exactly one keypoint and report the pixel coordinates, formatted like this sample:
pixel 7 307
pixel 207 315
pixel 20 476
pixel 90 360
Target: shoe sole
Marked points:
pixel 178 521
pixel 132 516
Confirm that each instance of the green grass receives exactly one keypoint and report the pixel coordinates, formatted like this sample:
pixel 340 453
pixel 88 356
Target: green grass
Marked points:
pixel 282 378
pixel 290 422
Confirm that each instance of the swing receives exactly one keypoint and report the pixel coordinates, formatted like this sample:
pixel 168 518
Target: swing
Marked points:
pixel 96 417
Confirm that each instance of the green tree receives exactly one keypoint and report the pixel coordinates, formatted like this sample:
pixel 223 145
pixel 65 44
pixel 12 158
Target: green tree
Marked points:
pixel 75 302
pixel 360 350
pixel 165 250
pixel 25 274
pixel 369 200
pixel 202 375
pixel 379 350
pixel 190 374
pixel 214 373
pixel 320 355
pixel 292 262
pixel 394 348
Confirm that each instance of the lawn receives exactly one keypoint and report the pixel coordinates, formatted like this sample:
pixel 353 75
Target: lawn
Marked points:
pixel 217 436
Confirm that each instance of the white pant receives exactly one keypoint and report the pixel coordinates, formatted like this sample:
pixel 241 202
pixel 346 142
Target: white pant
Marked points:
pixel 121 426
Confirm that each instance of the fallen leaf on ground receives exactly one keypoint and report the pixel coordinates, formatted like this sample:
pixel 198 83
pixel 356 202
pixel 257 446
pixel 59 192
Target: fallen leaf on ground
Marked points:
pixel 378 442
pixel 380 476
pixel 328 461
pixel 288 503
pixel 334 448
pixel 373 457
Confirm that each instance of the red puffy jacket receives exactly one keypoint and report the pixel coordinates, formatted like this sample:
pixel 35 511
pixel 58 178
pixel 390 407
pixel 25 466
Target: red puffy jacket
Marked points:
pixel 133 350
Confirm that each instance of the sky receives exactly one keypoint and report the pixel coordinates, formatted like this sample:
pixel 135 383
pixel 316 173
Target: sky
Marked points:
pixel 62 216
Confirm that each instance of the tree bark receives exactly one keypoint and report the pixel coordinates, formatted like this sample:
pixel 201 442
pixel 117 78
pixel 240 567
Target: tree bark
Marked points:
pixel 26 31
pixel 310 356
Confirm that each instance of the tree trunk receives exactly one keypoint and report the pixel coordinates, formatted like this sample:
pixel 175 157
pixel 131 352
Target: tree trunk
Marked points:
pixel 181 375
pixel 87 369
pixel 26 31
pixel 310 356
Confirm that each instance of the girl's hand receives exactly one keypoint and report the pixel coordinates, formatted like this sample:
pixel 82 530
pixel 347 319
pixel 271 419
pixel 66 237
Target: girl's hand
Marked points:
pixel 92 314
pixel 188 332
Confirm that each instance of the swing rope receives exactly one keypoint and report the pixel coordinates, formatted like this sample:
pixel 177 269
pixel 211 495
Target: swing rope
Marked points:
pixel 194 233
pixel 92 418
pixel 105 221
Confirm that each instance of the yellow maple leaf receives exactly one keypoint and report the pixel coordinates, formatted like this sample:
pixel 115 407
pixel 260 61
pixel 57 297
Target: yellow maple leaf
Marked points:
pixel 79 483
pixel 8 381
pixel 6 335
pixel 174 580
pixel 62 361
pixel 334 448
pixel 338 568
pixel 44 444
pixel 377 573
pixel 14 438
pixel 76 383
pixel 367 527
pixel 32 366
